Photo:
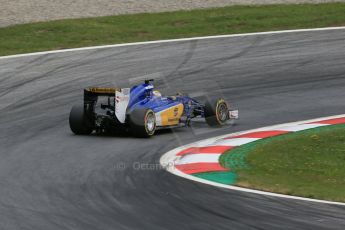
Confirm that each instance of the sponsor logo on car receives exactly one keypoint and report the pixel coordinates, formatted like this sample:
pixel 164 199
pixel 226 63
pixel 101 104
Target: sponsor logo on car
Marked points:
pixel 175 112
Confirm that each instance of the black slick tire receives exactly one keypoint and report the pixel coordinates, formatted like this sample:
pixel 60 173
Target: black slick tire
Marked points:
pixel 79 122
pixel 216 112
pixel 142 122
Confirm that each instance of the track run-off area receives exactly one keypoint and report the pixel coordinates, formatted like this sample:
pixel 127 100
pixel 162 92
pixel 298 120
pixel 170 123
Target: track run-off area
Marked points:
pixel 194 161
pixel 52 179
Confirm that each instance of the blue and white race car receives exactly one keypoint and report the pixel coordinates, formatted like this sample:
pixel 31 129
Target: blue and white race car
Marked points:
pixel 142 111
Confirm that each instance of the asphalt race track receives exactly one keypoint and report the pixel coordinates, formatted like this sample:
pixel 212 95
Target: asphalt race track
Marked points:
pixel 52 179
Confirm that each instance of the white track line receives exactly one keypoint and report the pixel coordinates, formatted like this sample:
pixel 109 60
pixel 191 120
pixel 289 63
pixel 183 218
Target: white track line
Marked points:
pixel 234 142
pixel 168 159
pixel 300 127
pixel 199 158
pixel 173 40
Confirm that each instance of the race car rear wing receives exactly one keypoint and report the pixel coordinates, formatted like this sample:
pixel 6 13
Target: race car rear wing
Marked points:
pixel 91 94
pixel 121 99
pixel 101 91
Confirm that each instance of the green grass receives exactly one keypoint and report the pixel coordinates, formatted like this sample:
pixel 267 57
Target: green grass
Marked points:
pixel 309 163
pixel 143 27
pixel 219 177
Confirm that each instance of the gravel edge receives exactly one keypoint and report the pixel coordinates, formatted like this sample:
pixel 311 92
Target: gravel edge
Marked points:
pixel 26 11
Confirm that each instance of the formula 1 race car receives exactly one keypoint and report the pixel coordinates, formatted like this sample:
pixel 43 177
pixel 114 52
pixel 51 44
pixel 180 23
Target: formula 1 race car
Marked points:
pixel 142 111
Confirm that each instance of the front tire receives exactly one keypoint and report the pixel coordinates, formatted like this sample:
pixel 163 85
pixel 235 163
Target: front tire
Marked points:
pixel 216 112
pixel 79 123
pixel 142 122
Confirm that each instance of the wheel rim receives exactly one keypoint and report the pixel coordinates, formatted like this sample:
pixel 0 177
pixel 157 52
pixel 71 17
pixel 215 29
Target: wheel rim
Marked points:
pixel 150 122
pixel 222 112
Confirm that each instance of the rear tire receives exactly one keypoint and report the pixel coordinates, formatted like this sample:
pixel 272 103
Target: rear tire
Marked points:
pixel 142 122
pixel 79 123
pixel 216 112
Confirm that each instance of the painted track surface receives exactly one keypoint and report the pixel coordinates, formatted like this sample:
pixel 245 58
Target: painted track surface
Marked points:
pixel 51 179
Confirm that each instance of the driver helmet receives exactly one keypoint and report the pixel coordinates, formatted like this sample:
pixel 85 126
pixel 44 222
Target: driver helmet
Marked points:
pixel 156 93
